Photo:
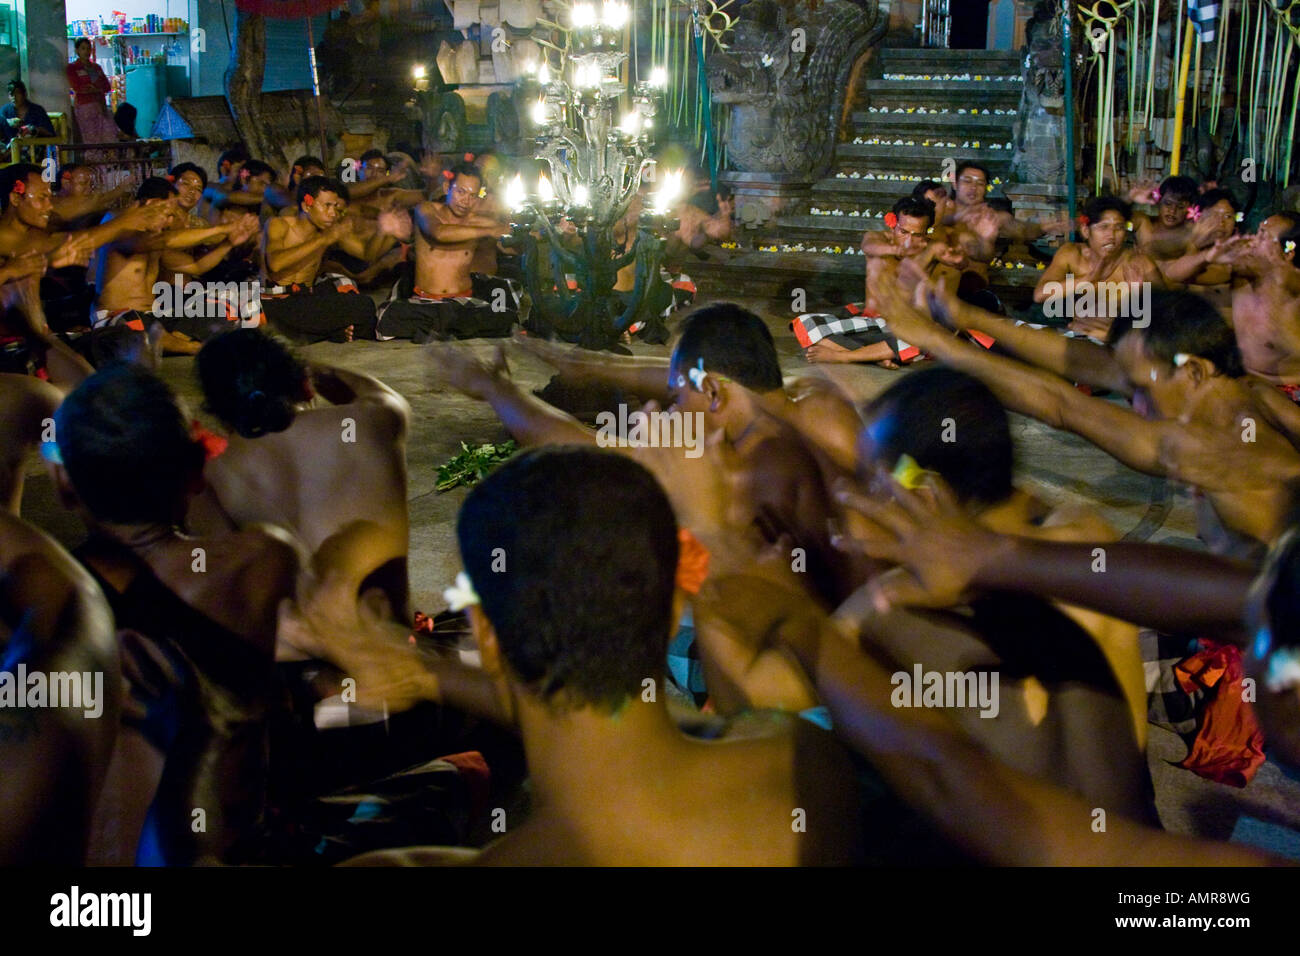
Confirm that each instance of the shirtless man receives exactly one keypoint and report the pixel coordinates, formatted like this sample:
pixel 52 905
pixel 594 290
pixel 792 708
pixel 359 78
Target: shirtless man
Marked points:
pixel 130 267
pixel 77 204
pixel 229 164
pixel 907 236
pixel 614 782
pixel 25 198
pixel 223 262
pixel 983 224
pixel 448 298
pixel 55 621
pixel 697 227
pixel 1215 220
pixel 1101 261
pixel 1164 235
pixel 264 395
pixel 1196 417
pixel 197 647
pixel 300 301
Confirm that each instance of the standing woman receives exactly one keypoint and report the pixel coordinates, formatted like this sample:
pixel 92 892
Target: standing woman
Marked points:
pixel 89 87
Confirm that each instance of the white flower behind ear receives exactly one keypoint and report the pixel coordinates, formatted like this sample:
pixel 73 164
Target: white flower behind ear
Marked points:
pixel 1289 247
pixel 1241 217
pixel 461 594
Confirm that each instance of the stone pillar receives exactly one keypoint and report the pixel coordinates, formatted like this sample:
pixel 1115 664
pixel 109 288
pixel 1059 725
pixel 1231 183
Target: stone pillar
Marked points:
pixel 44 25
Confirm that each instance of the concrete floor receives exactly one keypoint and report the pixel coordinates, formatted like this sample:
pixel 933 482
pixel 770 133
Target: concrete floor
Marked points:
pixel 1059 465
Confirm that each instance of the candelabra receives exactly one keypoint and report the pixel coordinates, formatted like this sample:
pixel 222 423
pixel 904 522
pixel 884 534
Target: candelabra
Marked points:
pixel 594 170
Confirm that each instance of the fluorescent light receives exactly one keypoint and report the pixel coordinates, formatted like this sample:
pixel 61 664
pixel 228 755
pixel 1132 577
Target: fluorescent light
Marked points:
pixel 615 14
pixel 583 15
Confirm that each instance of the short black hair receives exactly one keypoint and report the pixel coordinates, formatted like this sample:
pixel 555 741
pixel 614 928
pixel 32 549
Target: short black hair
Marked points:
pixel 966 164
pixel 733 342
pixel 11 176
pixel 1179 187
pixel 915 208
pixel 16 86
pixel 315 185
pixel 950 423
pixel 255 167
pixel 81 40
pixel 235 154
pixel 126 446
pixel 180 169
pixel 465 168
pixel 1184 323
pixel 117 343
pixel 1212 197
pixel 301 165
pixel 370 154
pixel 251 381
pixel 928 185
pixel 1093 211
pixel 155 187
pixel 1292 232
pixel 573 553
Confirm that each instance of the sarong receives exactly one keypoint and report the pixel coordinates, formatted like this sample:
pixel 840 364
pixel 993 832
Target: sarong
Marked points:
pixel 320 312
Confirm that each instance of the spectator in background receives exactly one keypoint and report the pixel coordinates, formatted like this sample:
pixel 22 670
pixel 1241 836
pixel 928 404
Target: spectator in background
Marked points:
pixel 22 117
pixel 89 87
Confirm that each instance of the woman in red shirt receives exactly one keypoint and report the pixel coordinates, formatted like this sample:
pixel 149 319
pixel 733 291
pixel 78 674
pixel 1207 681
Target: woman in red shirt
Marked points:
pixel 89 86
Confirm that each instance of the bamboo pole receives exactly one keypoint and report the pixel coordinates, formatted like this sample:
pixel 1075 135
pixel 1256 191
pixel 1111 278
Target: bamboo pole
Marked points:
pixel 1290 136
pixel 1070 187
pixel 1196 82
pixel 1176 153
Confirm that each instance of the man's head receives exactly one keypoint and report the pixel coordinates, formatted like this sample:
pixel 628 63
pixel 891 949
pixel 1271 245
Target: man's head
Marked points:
pixel 25 194
pixel 127 455
pixel 255 176
pixel 719 344
pixel 18 95
pixel 464 188
pixel 251 381
pixel 949 423
pixel 1220 207
pixel 229 162
pixel 1282 228
pixel 938 195
pixel 76 180
pixel 1184 345
pixel 971 182
pixel 303 167
pixel 190 180
pixel 373 164
pixel 1105 224
pixel 322 200
pixel 154 189
pixel 573 553
pixel 912 220
pixel 1177 193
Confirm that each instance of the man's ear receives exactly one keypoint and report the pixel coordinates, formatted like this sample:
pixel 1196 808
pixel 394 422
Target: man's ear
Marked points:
pixel 485 636
pixel 1201 370
pixel 715 393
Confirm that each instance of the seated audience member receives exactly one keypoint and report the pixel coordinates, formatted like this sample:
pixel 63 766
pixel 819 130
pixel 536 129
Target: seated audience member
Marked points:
pixel 1089 283
pixel 572 676
pixel 22 117
pixel 299 300
pixel 264 394
pixel 129 270
pixel 1214 220
pixel 448 299
pixel 198 664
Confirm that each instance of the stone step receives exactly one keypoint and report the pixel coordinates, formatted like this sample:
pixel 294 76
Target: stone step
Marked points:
pixel 898 96
pixel 897 158
pixel 905 123
pixel 987 86
pixel 911 57
pixel 836 191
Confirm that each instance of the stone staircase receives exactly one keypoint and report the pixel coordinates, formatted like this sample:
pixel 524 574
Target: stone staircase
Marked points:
pixel 899 134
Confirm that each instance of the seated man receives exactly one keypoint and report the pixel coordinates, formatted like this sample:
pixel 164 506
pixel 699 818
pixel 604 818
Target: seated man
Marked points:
pixel 254 187
pixel 572 634
pixel 300 301
pixel 862 335
pixel 703 217
pixel 1089 283
pixel 197 647
pixel 1214 219
pixel 129 270
pixel 1164 236
pixel 985 225
pixel 77 204
pixel 22 117
pixel 448 299
pixel 263 393
pixel 223 262
pixel 229 163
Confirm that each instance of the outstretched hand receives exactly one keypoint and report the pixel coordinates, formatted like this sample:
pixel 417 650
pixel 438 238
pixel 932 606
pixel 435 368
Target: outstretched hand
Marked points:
pixel 396 223
pixel 456 366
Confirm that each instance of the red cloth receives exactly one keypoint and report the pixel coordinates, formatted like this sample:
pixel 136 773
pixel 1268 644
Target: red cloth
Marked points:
pixel 1229 747
pixel 478 779
pixel 88 81
pixel 213 444
pixel 692 562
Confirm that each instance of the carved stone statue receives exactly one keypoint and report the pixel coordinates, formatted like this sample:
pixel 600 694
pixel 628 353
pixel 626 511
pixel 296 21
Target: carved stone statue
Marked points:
pixel 783 75
pixel 1040 146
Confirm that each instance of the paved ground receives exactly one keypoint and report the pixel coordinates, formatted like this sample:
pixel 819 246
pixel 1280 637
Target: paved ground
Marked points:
pixel 1061 466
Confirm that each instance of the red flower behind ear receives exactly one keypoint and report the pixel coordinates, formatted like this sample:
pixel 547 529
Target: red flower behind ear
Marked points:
pixel 448 175
pixel 307 201
pixel 891 220
pixel 469 157
pixel 20 187
pixel 171 178
pixel 1083 219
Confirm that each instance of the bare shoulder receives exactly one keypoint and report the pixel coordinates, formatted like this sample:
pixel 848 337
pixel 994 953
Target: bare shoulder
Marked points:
pixel 415 856
pixel 1075 522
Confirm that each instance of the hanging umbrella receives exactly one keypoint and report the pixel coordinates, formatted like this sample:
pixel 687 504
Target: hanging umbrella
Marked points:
pixel 294 10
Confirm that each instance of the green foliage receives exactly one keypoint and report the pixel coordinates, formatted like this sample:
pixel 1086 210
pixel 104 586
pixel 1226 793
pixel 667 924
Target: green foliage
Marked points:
pixel 473 464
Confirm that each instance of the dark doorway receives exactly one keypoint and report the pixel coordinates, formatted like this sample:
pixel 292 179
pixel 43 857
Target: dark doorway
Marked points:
pixel 970 25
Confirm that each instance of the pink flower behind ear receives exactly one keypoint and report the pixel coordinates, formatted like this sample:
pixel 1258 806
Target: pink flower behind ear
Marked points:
pixel 1194 213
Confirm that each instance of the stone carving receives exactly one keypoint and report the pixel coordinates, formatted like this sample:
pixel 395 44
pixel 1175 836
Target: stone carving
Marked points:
pixel 1040 145
pixel 786 88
